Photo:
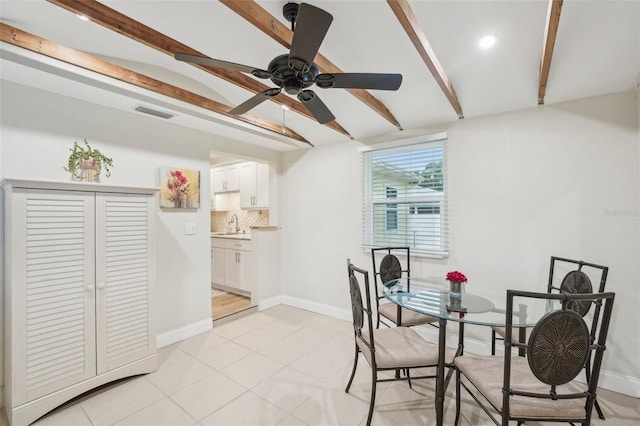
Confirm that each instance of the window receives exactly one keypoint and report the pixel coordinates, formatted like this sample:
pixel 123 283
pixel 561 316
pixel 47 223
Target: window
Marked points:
pixel 405 198
pixel 391 213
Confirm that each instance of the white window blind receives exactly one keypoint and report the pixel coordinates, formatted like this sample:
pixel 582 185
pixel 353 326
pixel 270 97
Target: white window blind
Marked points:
pixel 405 198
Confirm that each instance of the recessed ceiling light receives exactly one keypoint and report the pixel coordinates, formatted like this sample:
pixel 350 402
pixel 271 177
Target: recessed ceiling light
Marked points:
pixel 82 17
pixel 487 41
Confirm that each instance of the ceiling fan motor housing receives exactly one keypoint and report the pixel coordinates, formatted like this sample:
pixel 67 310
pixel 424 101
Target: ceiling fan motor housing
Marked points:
pixel 290 80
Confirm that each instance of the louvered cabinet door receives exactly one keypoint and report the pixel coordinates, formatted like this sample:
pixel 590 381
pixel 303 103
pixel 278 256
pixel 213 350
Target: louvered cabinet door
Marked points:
pixel 52 295
pixel 125 330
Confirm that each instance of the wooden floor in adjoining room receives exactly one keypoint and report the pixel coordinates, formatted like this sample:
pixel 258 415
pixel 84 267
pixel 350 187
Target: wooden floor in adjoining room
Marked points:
pixel 228 304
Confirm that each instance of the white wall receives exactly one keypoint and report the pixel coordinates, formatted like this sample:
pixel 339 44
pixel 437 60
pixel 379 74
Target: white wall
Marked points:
pixel 38 128
pixel 552 180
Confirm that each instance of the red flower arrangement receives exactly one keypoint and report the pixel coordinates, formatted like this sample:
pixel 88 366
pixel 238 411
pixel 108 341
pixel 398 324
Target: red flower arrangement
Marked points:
pixel 456 277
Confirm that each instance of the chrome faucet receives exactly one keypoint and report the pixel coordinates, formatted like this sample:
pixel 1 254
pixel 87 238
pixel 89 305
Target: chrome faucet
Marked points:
pixel 235 217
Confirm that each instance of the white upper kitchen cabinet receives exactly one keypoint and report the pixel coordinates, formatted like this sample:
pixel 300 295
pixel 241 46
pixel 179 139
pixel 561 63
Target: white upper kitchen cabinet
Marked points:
pixel 219 202
pixel 226 178
pixel 254 185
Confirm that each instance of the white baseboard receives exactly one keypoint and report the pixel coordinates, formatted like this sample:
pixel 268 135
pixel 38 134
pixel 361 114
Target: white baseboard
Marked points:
pixel 269 303
pixel 319 308
pixel 174 336
pixel 615 382
pixel 618 383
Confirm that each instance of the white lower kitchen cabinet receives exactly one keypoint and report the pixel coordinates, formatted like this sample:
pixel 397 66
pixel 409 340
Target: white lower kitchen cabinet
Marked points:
pixel 217 261
pixel 237 261
pixel 78 291
pixel 231 263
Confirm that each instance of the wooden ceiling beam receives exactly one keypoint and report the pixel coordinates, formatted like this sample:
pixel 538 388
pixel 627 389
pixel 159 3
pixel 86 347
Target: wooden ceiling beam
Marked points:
pixel 550 33
pixel 22 39
pixel 407 19
pixel 268 24
pixel 122 24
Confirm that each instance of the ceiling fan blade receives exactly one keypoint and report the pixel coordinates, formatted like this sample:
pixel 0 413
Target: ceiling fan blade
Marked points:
pixel 312 25
pixel 230 66
pixel 315 106
pixel 254 101
pixel 359 81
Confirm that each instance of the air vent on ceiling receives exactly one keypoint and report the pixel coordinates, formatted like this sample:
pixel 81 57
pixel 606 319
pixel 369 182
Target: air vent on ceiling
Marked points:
pixel 153 112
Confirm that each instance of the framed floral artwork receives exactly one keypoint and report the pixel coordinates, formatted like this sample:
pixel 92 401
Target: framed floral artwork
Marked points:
pixel 179 188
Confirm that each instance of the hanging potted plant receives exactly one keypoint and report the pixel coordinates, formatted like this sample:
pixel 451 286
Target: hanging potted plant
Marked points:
pixel 86 163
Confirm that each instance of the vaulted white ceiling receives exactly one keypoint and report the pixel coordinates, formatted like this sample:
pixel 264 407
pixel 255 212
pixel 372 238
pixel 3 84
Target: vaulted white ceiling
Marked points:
pixel 597 51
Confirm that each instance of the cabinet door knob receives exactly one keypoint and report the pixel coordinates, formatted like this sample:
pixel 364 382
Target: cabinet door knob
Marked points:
pixel 101 285
pixel 90 287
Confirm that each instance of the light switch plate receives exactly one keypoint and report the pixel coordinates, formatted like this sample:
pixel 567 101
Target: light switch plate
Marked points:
pixel 190 228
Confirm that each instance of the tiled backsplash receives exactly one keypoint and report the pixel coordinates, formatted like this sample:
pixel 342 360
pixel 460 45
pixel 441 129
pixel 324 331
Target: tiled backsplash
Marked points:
pixel 246 218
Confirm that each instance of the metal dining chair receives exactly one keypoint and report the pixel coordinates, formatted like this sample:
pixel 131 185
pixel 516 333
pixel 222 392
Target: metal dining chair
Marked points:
pixel 387 270
pixel 386 349
pixel 574 282
pixel 541 386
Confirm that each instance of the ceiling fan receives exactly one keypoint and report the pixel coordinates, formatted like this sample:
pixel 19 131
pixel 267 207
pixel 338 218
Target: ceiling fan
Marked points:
pixel 295 72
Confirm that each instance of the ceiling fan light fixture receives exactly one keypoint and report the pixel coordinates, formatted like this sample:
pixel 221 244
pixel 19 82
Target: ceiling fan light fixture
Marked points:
pixel 487 41
pixel 292 86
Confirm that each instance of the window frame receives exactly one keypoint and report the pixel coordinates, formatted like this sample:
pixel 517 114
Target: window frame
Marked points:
pixel 412 204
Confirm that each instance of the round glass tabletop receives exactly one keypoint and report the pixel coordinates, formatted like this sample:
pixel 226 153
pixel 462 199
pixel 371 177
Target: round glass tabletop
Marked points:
pixel 469 308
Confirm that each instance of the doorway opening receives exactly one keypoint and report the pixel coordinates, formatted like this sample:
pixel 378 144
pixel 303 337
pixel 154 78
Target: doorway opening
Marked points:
pixel 226 305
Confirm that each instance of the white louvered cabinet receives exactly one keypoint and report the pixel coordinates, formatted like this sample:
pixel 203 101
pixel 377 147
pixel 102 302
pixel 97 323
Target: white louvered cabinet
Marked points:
pixel 78 291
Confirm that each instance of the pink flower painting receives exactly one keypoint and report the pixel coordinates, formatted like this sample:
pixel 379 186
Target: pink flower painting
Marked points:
pixel 180 188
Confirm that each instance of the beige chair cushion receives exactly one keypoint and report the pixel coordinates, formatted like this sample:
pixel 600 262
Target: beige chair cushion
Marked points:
pixel 409 318
pixel 400 347
pixel 502 331
pixel 486 374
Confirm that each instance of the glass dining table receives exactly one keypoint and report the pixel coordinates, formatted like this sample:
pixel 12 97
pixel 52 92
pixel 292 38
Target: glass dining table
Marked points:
pixel 465 308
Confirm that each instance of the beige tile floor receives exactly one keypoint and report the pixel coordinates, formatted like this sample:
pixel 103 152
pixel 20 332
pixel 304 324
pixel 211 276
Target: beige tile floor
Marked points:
pixel 282 366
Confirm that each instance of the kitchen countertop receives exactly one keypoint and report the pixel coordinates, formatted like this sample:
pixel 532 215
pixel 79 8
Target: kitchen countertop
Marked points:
pixel 246 236
pixel 243 236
